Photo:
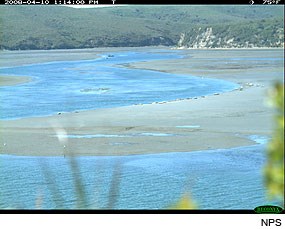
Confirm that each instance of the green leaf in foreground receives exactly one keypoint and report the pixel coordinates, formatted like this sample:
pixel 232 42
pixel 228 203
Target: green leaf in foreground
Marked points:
pixel 185 202
pixel 274 169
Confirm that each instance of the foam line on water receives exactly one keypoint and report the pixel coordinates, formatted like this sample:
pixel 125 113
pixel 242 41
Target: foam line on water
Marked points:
pixel 189 126
pixel 259 139
pixel 116 135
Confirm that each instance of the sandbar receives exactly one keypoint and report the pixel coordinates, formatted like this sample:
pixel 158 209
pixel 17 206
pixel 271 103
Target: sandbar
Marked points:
pixel 221 121
pixel 13 80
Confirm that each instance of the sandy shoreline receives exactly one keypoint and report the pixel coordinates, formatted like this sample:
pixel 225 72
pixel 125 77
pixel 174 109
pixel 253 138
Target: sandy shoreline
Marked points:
pixel 218 121
pixel 13 80
pixel 18 58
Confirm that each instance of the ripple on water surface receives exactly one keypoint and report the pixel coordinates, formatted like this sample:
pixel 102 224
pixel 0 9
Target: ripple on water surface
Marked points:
pixel 217 179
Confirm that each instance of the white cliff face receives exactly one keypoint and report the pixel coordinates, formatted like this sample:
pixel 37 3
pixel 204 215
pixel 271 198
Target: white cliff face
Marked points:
pixel 181 40
pixel 204 39
pixel 280 35
pixel 207 38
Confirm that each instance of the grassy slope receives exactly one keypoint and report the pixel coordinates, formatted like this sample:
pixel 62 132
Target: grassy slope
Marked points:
pixel 45 27
pixel 258 33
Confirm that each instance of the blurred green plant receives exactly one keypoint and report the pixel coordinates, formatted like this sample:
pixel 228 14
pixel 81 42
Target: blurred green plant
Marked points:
pixel 274 169
pixel 186 202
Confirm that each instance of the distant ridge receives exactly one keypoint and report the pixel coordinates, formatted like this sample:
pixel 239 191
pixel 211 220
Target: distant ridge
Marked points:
pixel 184 26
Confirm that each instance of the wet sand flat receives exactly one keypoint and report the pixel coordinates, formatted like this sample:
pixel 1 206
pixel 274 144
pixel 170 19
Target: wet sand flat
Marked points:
pixel 13 80
pixel 218 121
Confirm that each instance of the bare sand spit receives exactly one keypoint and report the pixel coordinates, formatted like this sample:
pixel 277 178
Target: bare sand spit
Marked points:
pixel 13 80
pixel 210 122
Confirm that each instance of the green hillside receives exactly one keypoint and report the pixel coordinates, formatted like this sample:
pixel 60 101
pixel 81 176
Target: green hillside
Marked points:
pixel 55 27
pixel 260 33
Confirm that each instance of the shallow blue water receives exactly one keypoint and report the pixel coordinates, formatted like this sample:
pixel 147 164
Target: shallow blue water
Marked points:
pixel 216 179
pixel 92 84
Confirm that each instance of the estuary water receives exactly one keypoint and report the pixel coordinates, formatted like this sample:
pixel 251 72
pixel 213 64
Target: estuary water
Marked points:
pixel 99 83
pixel 216 179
